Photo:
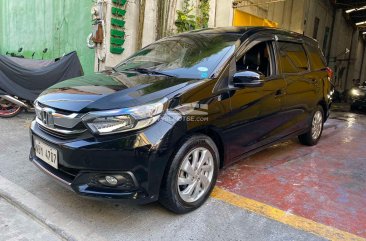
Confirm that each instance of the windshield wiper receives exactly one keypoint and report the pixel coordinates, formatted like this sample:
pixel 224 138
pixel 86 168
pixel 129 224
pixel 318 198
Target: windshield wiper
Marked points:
pixel 149 71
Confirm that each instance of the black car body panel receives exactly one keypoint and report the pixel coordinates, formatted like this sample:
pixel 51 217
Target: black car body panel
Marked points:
pixel 241 121
pixel 144 154
pixel 119 90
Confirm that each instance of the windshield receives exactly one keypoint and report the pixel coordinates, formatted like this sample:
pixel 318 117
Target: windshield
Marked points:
pixel 185 56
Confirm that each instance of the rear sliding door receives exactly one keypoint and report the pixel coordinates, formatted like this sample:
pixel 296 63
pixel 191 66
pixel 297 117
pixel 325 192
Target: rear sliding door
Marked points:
pixel 300 97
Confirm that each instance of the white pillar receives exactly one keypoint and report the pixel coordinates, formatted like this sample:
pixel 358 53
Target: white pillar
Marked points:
pixel 149 34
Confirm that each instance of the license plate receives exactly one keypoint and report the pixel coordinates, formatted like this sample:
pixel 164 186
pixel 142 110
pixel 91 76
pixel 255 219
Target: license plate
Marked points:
pixel 46 153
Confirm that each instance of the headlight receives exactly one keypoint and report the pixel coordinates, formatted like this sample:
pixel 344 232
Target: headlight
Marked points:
pixel 357 92
pixel 122 120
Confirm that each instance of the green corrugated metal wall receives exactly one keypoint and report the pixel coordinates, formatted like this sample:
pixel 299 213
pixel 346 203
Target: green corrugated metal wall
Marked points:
pixel 59 25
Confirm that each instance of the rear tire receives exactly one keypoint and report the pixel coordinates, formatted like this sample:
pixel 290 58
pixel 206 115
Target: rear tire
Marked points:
pixel 191 175
pixel 312 137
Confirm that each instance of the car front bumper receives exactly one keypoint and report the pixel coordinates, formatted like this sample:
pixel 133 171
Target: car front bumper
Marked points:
pixel 139 159
pixel 359 103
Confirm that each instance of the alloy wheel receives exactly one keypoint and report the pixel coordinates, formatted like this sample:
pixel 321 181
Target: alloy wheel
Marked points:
pixel 195 174
pixel 317 124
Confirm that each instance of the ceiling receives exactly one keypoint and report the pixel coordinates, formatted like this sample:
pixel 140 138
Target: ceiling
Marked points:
pixel 355 16
pixel 350 3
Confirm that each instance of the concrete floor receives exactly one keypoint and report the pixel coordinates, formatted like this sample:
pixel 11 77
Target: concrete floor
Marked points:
pixel 324 183
pixel 279 176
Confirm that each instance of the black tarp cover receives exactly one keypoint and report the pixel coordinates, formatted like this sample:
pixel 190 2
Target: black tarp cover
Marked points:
pixel 27 78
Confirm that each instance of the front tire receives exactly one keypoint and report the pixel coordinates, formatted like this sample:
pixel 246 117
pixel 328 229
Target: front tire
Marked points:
pixel 191 176
pixel 312 137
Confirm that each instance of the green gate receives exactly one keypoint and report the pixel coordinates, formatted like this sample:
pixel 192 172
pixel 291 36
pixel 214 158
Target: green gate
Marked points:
pixel 60 26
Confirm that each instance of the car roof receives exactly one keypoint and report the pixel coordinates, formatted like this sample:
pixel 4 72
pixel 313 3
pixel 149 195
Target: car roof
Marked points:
pixel 247 31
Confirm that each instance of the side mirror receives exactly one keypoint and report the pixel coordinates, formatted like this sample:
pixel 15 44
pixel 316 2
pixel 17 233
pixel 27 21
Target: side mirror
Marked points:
pixel 248 79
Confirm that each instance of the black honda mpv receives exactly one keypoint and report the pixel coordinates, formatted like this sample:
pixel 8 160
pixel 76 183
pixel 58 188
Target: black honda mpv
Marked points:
pixel 161 124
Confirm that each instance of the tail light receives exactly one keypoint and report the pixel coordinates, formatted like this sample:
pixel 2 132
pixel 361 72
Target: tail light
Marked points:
pixel 330 72
pixel 332 87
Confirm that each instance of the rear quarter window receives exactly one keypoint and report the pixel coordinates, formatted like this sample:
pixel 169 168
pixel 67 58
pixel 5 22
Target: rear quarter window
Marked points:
pixel 292 57
pixel 316 58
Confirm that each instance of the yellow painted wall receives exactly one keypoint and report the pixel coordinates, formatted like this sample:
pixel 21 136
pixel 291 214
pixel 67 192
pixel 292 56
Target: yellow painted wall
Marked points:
pixel 245 19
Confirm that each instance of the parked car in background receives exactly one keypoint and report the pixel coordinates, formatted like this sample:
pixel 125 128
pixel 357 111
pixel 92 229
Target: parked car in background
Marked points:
pixel 161 124
pixel 358 97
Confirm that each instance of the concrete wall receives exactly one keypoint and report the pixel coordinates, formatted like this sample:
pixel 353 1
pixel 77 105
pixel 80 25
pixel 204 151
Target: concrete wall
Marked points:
pixel 288 14
pixel 357 64
pixel 224 13
pixel 362 74
pixel 212 20
pixel 353 60
pixel 1 26
pixel 150 23
pixel 341 39
pixel 60 26
pixel 131 30
pixel 347 66
pixel 324 11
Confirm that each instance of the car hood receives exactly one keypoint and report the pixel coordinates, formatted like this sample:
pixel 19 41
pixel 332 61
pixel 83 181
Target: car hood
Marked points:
pixel 110 90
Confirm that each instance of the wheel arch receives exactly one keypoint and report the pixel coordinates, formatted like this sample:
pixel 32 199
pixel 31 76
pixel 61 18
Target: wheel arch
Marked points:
pixel 325 107
pixel 217 139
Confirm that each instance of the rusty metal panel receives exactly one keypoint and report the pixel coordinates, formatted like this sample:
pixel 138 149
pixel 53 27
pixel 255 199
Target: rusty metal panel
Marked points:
pixel 61 26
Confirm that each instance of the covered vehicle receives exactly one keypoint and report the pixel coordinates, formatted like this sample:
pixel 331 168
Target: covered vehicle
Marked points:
pixel 22 80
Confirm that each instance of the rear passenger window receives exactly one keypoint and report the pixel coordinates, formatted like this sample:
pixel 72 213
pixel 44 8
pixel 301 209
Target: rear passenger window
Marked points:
pixel 293 58
pixel 317 60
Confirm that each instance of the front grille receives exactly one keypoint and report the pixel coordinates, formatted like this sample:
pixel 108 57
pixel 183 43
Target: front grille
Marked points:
pixel 58 134
pixel 61 124
pixel 59 111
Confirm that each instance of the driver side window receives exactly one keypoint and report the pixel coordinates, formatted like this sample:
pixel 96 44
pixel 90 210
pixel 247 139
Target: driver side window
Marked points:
pixel 256 59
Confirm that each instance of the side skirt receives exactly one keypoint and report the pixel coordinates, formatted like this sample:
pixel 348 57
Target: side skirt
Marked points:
pixel 259 149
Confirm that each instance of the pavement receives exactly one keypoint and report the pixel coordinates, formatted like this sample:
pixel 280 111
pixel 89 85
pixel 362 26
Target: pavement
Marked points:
pixel 35 207
pixel 16 225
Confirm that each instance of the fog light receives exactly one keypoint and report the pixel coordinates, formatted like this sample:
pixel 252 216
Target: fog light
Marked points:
pixel 119 180
pixel 111 180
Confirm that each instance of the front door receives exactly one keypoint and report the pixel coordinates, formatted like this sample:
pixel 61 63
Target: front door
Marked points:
pixel 255 115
